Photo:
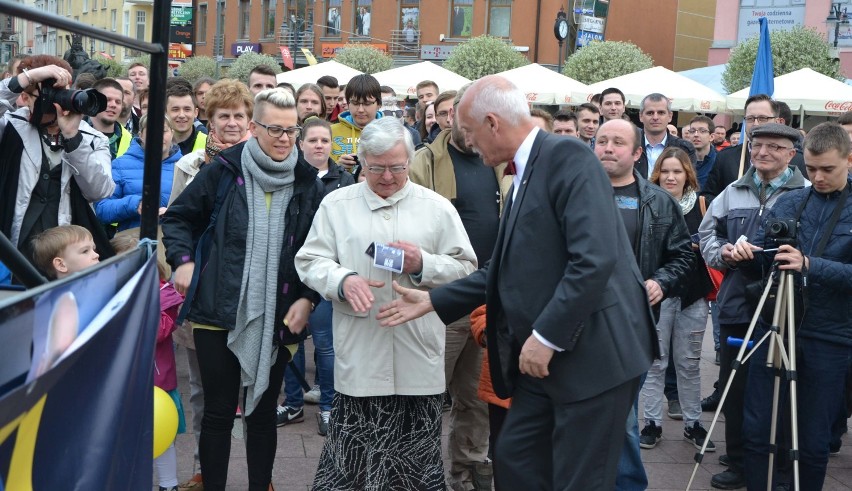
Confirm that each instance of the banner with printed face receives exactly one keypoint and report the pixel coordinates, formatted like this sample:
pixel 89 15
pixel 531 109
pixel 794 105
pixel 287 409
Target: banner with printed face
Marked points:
pixel 76 403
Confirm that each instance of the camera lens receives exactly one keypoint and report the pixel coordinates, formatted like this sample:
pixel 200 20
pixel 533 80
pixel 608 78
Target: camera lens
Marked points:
pixel 89 102
pixel 778 229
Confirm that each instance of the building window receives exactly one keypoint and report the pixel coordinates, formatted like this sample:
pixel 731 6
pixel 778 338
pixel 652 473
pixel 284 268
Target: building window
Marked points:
pixel 61 9
pixel 103 4
pixel 299 10
pixel 409 14
pixel 363 15
pixel 126 23
pixel 245 19
pixel 202 23
pixel 140 25
pixel 85 6
pixel 332 8
pixel 499 18
pixel 461 18
pixel 68 8
pixel 113 19
pixel 268 16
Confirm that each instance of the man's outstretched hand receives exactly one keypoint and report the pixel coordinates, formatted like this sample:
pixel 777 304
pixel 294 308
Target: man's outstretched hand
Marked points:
pixel 410 305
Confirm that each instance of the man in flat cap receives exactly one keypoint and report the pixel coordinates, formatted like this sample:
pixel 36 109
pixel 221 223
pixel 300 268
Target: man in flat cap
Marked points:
pixel 734 214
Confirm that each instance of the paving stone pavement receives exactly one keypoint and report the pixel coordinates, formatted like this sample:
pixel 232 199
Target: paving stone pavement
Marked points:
pixel 668 466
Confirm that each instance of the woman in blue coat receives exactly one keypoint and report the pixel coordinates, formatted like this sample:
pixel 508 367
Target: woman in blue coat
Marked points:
pixel 124 206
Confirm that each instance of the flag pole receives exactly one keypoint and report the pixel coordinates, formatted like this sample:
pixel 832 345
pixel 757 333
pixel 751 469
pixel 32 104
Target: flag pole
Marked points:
pixel 762 81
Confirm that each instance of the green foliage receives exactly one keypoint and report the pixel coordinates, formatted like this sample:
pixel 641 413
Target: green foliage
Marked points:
pixel 144 59
pixel 484 55
pixel 364 58
pixel 600 61
pixel 243 65
pixel 792 50
pixel 114 69
pixel 196 67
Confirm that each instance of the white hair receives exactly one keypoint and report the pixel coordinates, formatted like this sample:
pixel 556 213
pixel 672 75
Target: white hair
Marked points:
pixel 504 99
pixel 382 135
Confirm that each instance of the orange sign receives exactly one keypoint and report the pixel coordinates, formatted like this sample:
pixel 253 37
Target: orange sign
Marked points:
pixel 179 51
pixel 329 50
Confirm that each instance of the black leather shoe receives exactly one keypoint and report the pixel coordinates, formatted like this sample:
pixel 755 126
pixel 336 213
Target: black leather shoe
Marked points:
pixel 711 402
pixel 729 479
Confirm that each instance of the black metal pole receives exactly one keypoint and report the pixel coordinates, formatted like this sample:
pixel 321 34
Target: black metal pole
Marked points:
pixel 156 112
pixel 18 264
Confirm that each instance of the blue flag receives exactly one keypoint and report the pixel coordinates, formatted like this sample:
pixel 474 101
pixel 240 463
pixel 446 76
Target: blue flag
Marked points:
pixel 763 77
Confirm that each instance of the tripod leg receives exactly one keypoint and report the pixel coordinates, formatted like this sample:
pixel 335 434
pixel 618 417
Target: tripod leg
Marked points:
pixel 774 361
pixel 793 376
pixel 734 367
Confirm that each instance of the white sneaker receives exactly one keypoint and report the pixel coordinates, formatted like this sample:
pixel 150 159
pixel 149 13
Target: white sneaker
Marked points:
pixel 313 396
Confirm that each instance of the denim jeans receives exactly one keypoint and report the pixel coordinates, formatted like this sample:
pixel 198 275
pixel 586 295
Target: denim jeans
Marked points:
pixel 320 325
pixel 683 330
pixel 631 472
pixel 821 368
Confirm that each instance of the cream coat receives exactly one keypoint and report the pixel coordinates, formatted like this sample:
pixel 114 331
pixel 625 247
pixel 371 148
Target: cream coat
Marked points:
pixel 371 360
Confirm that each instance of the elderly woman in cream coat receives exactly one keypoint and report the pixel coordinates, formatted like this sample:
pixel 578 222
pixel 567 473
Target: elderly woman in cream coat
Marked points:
pixel 385 430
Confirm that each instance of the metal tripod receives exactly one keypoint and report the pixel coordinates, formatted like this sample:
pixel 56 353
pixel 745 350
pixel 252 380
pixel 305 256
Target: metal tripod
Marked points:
pixel 778 357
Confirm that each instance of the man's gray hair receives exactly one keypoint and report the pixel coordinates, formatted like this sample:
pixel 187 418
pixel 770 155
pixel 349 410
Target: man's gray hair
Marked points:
pixel 508 101
pixel 655 97
pixel 277 97
pixel 382 135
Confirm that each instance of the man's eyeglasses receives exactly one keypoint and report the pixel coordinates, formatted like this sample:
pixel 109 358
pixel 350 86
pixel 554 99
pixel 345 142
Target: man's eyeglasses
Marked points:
pixel 772 147
pixel 361 103
pixel 443 114
pixel 758 119
pixel 381 169
pixel 276 131
pixel 692 131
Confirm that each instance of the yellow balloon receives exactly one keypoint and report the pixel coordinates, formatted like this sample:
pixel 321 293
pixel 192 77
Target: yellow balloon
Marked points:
pixel 165 421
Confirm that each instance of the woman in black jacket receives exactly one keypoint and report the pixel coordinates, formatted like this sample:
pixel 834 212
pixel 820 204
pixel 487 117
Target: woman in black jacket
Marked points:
pixel 242 219
pixel 683 315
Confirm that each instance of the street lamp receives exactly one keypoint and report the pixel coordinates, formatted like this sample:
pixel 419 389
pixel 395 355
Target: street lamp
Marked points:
pixel 838 17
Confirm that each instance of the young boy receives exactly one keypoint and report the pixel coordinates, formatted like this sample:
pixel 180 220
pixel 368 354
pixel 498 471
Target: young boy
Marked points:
pixel 63 250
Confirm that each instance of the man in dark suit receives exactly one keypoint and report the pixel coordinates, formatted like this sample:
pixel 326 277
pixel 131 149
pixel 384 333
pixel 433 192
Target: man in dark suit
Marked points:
pixel 569 329
pixel 759 109
pixel 655 113
pixel 458 21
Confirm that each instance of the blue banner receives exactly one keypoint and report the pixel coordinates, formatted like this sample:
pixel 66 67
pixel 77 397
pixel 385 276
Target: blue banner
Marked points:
pixel 763 77
pixel 76 408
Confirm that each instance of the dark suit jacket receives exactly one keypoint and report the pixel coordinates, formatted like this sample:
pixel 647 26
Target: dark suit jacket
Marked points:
pixel 727 168
pixel 458 21
pixel 562 265
pixel 641 165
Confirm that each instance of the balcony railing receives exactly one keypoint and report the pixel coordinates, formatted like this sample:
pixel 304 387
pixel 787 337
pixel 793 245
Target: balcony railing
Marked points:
pixel 287 37
pixel 405 43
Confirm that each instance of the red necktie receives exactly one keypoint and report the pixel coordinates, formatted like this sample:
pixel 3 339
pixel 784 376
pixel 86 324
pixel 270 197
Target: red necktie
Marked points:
pixel 510 168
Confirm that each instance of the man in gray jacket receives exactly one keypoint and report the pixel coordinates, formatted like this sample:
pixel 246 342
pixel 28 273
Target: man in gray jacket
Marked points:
pixel 735 216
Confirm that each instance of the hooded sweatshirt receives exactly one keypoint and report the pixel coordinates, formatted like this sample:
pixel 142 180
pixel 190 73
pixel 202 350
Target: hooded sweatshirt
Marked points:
pixel 345 135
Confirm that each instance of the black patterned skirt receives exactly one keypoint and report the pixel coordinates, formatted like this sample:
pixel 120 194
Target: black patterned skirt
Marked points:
pixel 382 444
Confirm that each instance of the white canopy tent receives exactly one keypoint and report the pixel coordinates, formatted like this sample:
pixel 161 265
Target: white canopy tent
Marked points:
pixel 542 85
pixel 404 80
pixel 806 92
pixel 685 94
pixel 310 74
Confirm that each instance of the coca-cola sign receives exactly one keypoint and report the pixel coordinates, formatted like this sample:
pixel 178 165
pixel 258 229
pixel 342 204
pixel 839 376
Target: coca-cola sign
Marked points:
pixel 838 106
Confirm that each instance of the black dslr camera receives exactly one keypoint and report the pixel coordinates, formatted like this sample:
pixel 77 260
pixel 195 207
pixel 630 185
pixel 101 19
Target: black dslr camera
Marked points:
pixel 89 102
pixel 782 231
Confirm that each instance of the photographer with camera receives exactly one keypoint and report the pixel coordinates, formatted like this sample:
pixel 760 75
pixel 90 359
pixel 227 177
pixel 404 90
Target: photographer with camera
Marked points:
pixel 810 229
pixel 734 214
pixel 53 164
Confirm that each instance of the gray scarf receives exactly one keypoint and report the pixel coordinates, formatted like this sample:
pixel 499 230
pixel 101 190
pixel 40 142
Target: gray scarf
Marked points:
pixel 687 201
pixel 252 338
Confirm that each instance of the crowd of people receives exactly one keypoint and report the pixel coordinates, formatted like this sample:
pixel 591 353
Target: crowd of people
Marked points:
pixel 531 272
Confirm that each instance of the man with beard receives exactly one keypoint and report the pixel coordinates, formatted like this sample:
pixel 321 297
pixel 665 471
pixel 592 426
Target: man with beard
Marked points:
pixel 454 170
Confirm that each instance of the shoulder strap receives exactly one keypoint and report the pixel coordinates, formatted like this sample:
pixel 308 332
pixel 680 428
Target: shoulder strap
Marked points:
pixel 702 204
pixel 226 181
pixel 841 203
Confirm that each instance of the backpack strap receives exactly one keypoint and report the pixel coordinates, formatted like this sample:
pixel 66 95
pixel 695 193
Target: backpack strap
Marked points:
pixel 702 204
pixel 226 181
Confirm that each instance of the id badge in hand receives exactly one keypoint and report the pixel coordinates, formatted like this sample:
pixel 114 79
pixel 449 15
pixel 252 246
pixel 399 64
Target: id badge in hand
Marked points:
pixel 386 257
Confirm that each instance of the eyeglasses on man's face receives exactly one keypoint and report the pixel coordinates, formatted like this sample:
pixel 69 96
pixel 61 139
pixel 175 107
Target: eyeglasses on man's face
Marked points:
pixel 758 119
pixel 276 131
pixel 756 147
pixel 362 103
pixel 702 131
pixel 381 169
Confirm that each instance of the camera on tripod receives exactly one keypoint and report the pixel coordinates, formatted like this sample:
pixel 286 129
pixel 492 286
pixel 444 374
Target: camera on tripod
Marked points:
pixel 781 231
pixel 89 102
